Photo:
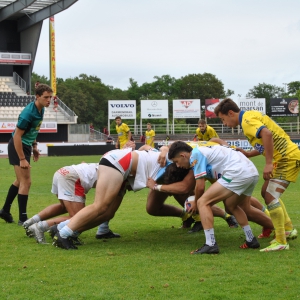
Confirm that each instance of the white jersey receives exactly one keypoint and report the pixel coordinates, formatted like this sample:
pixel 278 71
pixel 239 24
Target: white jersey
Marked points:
pixel 87 174
pixel 147 167
pixel 221 162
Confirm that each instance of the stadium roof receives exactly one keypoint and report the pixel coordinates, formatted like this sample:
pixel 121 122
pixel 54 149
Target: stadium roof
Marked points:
pixel 29 12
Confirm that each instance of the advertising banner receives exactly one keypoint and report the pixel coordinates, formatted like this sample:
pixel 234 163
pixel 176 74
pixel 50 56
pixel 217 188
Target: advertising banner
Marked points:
pixel 46 127
pixel 154 109
pixel 186 108
pixel 126 109
pixel 287 107
pixel 210 105
pixel 258 104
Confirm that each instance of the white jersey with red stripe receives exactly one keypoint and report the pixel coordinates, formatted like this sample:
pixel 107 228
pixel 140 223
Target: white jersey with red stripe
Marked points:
pixel 87 174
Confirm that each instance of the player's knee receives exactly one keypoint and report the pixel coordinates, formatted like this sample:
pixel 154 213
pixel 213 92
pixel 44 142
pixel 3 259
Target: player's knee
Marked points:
pixel 152 210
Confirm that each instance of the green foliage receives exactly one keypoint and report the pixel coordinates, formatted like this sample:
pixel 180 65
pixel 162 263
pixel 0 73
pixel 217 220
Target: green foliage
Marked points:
pixel 268 91
pixel 152 258
pixel 293 87
pixel 34 78
pixel 201 86
pixel 88 97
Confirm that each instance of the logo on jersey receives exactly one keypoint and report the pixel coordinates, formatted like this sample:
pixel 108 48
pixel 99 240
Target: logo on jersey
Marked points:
pixel 193 163
pixel 259 148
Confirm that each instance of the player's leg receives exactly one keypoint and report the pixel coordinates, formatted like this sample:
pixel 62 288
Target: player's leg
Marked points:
pixel 24 179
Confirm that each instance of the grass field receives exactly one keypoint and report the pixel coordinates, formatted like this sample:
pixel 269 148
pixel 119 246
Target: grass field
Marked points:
pixel 150 261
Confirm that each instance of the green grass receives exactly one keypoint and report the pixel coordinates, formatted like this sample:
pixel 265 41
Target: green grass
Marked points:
pixel 150 261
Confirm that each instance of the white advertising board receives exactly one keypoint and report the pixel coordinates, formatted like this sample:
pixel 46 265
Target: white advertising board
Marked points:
pixel 186 108
pixel 154 109
pixel 126 109
pixel 252 104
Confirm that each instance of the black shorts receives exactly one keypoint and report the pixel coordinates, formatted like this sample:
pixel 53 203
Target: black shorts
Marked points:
pixel 13 155
pixel 107 163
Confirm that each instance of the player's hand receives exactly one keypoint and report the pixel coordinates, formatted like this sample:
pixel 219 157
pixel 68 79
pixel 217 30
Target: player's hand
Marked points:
pixel 24 164
pixel 267 173
pixel 150 183
pixel 129 144
pixel 162 158
pixel 193 210
pixel 36 154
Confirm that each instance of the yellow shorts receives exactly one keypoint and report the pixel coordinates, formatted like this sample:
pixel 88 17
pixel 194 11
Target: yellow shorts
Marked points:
pixel 288 167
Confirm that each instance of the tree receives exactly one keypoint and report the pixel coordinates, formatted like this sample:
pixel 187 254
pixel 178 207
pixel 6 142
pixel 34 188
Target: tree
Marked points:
pixel 34 78
pixel 267 91
pixel 293 87
pixel 201 86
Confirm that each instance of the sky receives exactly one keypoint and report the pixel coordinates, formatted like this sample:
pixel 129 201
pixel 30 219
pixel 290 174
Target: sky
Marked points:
pixel 243 43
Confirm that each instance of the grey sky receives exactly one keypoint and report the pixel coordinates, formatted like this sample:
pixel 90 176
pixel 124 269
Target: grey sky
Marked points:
pixel 242 42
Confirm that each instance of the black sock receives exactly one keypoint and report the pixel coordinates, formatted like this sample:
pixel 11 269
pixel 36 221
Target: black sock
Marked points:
pixel 22 200
pixel 11 195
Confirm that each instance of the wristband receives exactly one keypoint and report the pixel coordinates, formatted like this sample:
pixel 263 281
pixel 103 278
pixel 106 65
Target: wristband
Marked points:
pixel 22 158
pixel 157 187
pixel 34 144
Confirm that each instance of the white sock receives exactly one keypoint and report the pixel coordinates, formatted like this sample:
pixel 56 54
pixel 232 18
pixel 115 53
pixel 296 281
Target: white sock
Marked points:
pixel 43 225
pixel 62 224
pixel 210 236
pixel 248 233
pixel 36 218
pixel 65 232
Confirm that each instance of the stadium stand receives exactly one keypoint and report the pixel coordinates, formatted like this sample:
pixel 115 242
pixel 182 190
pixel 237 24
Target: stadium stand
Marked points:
pixel 21 23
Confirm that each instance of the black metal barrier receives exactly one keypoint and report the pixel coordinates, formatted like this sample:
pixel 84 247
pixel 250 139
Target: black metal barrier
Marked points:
pixel 82 149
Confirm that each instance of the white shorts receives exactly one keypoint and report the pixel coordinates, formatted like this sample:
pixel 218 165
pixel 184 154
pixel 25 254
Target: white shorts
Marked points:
pixel 66 184
pixel 240 186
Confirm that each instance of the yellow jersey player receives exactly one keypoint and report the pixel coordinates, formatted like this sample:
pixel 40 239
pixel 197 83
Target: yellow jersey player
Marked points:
pixel 123 131
pixel 282 163
pixel 205 132
pixel 150 134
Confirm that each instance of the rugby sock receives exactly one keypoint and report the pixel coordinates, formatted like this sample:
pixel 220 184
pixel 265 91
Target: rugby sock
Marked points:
pixel 248 233
pixel 226 215
pixel 288 226
pixel 11 195
pixel 210 236
pixel 266 211
pixel 103 228
pixel 43 225
pixel 36 218
pixel 22 200
pixel 62 224
pixel 277 217
pixel 65 232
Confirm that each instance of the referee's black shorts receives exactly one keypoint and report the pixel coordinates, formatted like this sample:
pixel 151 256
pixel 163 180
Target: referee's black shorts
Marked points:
pixel 13 155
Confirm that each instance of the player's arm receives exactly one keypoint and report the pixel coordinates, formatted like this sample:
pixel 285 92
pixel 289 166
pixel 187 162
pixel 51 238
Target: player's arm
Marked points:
pixel 199 191
pixel 248 154
pixel 35 151
pixel 162 159
pixel 145 147
pixel 19 148
pixel 181 187
pixel 151 140
pixel 129 135
pixel 267 140
pixel 118 140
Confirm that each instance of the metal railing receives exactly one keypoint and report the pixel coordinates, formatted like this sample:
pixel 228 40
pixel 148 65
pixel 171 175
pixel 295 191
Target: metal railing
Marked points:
pixel 19 81
pixel 292 127
pixel 68 113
